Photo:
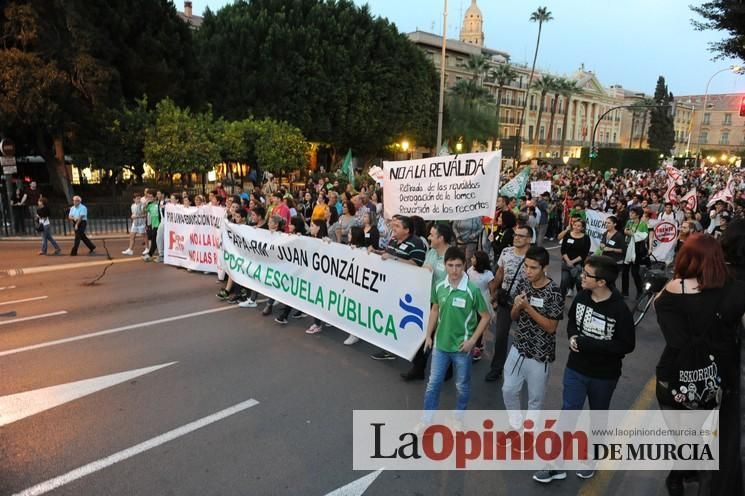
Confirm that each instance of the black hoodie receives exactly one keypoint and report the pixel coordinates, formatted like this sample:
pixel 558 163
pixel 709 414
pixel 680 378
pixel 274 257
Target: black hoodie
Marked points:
pixel 605 334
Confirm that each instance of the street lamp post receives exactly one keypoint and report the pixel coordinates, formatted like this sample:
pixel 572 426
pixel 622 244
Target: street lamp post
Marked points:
pixel 736 69
pixel 442 76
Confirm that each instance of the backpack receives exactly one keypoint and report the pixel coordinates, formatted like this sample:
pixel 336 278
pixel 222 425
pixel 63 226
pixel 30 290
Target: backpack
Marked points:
pixel 698 385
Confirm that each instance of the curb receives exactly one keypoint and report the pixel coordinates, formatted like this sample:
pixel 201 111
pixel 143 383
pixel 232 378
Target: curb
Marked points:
pixel 62 238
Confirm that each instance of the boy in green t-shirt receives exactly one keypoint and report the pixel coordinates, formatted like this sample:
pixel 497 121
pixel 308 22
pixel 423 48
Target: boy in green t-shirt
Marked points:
pixel 460 315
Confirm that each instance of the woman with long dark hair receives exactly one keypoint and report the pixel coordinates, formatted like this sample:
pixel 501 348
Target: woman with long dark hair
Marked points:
pixel 699 313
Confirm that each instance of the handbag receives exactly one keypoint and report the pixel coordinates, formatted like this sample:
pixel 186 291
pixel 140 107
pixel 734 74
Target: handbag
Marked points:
pixel 503 297
pixel 39 227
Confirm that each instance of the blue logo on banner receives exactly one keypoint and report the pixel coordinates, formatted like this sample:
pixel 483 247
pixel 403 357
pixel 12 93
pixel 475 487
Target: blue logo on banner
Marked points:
pixel 415 315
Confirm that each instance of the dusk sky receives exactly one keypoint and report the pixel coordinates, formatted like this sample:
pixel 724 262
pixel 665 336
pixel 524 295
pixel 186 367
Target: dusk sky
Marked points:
pixel 629 43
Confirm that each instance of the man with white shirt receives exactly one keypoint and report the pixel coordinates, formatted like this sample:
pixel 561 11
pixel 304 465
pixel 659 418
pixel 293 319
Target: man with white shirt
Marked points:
pixel 79 217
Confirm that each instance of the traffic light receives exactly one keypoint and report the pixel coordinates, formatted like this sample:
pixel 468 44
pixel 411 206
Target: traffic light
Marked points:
pixel 594 152
pixel 742 107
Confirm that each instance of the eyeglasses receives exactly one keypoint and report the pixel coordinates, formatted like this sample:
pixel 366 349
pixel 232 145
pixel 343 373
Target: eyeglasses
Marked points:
pixel 522 236
pixel 585 274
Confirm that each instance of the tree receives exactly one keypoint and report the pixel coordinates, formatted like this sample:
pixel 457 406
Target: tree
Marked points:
pixel 568 89
pixel 280 146
pixel 724 15
pixel 661 125
pixel 63 65
pixel 468 122
pixel 541 15
pixel 327 67
pixel 478 64
pixel 543 86
pixel 180 141
pixel 470 93
pixel 556 88
pixel 502 75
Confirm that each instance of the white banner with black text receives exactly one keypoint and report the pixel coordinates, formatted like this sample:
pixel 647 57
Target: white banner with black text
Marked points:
pixel 192 236
pixel 383 302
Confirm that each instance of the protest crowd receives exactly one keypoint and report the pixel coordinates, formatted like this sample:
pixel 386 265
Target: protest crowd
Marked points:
pixel 489 276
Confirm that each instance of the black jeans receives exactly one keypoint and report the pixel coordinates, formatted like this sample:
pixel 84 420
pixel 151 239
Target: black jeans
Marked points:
pixel 568 281
pixel 501 338
pixel 634 268
pixel 80 236
pixel 152 233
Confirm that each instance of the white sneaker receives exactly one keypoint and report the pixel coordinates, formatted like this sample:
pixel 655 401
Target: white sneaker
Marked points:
pixel 146 251
pixel 351 340
pixel 314 329
pixel 146 257
pixel 249 303
pixel 128 252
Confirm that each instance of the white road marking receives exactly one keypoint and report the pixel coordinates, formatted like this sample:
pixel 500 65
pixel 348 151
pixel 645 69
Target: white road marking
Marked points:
pixel 358 487
pixel 93 467
pixel 109 331
pixel 15 407
pixel 24 300
pixel 554 247
pixel 7 287
pixel 66 266
pixel 33 317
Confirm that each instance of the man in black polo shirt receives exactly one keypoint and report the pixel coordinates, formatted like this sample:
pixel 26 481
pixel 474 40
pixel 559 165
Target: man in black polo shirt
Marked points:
pixel 404 247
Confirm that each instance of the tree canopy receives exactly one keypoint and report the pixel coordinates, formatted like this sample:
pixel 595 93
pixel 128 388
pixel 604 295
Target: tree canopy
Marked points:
pixel 64 65
pixel 327 67
pixel 728 16
pixel 661 135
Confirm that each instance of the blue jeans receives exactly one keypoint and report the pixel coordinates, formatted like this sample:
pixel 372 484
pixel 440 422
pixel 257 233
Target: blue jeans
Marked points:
pixel 46 236
pixel 578 386
pixel 441 360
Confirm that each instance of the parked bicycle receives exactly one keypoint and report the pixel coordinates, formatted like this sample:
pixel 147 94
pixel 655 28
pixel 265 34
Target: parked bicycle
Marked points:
pixel 654 278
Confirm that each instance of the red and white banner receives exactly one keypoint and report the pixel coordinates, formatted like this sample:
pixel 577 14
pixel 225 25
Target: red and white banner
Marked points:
pixel 670 196
pixel 192 236
pixel 674 174
pixel 690 200
pixel 727 195
pixel 663 235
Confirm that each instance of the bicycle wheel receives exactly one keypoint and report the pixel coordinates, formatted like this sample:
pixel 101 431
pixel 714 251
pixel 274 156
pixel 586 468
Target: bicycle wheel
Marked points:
pixel 642 306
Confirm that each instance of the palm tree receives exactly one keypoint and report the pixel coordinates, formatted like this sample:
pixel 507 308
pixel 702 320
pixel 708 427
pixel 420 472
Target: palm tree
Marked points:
pixel 568 89
pixel 543 85
pixel 540 16
pixel 556 87
pixel 502 75
pixel 469 92
pixel 478 65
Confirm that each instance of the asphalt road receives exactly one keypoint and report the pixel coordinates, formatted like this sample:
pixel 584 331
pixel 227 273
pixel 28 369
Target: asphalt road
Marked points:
pixel 297 438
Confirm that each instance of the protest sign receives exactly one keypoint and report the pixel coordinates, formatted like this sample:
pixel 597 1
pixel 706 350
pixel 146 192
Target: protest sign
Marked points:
pixel 663 236
pixel 377 173
pixel 384 302
pixel 192 236
pixel 538 187
pixel 595 227
pixel 453 187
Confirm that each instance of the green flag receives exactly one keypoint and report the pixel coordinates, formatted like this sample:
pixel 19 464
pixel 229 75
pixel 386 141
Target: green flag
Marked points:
pixel 346 167
pixel 516 187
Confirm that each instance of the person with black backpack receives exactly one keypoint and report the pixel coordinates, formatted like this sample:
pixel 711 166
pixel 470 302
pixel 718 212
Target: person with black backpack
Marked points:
pixel 699 313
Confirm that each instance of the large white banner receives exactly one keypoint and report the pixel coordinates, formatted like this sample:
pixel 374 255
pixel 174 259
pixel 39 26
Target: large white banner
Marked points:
pixel 384 302
pixel 663 236
pixel 451 187
pixel 595 227
pixel 192 236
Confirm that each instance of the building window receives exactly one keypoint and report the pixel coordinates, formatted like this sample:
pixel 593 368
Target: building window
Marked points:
pixel 727 119
pixel 558 133
pixel 541 133
pixel 703 138
pixel 724 138
pixel 707 118
pixel 530 131
pixel 614 137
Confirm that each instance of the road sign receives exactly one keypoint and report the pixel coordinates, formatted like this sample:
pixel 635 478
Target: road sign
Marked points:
pixel 9 165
